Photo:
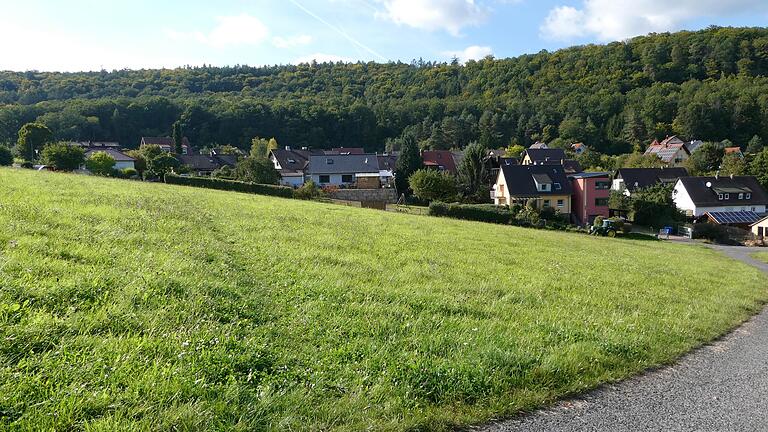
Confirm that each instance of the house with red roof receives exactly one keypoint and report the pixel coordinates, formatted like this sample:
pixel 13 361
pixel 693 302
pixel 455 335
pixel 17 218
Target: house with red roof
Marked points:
pixel 672 151
pixel 734 150
pixel 442 160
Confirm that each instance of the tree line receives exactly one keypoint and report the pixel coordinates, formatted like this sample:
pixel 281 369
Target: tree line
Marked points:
pixel 709 85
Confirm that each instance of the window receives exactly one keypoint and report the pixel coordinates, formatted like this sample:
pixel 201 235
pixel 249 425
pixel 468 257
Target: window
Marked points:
pixel 501 190
pixel 558 186
pixel 329 161
pixel 601 202
pixel 727 196
pixel 325 179
pixel 546 203
pixel 749 196
pixel 347 178
pixel 560 203
pixel 720 196
pixel 603 185
pixel 741 196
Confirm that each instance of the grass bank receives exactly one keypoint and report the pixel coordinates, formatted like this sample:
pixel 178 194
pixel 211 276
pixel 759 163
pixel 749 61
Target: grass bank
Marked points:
pixel 761 256
pixel 130 306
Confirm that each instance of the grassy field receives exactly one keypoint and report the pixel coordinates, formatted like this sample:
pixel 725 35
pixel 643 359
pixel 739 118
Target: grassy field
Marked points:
pixel 761 256
pixel 130 306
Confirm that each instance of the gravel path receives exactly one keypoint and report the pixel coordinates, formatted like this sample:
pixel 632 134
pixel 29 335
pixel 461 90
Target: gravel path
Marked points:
pixel 720 387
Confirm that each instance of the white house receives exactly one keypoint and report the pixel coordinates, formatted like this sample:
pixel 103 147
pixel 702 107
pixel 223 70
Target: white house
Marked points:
pixel 697 196
pixel 342 170
pixel 122 160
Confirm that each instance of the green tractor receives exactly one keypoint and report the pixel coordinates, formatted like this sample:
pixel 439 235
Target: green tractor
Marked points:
pixel 607 229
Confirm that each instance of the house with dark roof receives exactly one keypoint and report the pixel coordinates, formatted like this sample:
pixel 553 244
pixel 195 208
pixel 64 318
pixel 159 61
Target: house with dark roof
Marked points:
pixel 344 170
pixel 442 160
pixel 204 165
pixel 167 145
pixel 543 156
pixel 122 160
pixel 539 145
pixel 698 196
pixel 672 151
pixel 292 164
pixel 628 180
pixel 545 185
pixel 387 166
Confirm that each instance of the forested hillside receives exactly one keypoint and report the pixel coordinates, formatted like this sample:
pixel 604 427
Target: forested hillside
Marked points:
pixel 708 85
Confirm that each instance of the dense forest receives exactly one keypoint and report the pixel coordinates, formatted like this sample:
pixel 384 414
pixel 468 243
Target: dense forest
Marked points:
pixel 710 85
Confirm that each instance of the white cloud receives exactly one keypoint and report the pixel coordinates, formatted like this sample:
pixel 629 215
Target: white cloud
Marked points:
pixel 235 30
pixel 291 41
pixel 617 20
pixel 323 58
pixel 448 15
pixel 473 52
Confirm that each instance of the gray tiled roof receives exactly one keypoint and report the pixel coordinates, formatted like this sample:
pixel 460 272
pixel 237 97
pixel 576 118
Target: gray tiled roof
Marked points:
pixel 343 164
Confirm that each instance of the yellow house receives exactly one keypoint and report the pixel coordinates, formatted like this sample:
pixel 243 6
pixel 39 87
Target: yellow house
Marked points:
pixel 545 185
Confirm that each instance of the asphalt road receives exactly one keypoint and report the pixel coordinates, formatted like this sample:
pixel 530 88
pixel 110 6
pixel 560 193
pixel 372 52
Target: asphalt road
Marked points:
pixel 720 387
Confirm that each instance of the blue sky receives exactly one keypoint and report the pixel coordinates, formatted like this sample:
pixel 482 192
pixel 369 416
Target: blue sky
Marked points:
pixel 94 34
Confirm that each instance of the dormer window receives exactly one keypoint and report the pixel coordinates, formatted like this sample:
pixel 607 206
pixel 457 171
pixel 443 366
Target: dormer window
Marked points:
pixel 727 196
pixel 749 196
pixel 558 186
pixel 544 187
pixel 291 160
pixel 329 161
pixel 720 196
pixel 741 196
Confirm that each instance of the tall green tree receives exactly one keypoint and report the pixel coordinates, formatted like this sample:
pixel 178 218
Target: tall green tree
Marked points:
pixel 32 138
pixel 755 145
pixel 759 168
pixel 705 160
pixel 407 163
pixel 178 137
pixel 261 147
pixel 433 185
pixel 733 164
pixel 473 174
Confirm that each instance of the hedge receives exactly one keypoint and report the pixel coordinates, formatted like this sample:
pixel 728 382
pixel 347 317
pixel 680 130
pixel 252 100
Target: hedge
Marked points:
pixel 230 185
pixel 474 212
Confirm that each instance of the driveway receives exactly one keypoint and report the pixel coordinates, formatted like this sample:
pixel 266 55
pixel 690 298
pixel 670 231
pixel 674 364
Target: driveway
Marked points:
pixel 720 387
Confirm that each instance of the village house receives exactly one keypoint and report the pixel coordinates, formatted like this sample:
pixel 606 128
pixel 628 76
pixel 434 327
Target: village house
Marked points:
pixel 204 165
pixel 292 164
pixel 543 156
pixel 672 151
pixel 344 170
pixel 442 160
pixel 697 196
pixel 629 180
pixel 546 185
pixel 760 228
pixel 122 160
pixel 578 148
pixel 538 146
pixel 167 145
pixel 734 150
pixel 591 192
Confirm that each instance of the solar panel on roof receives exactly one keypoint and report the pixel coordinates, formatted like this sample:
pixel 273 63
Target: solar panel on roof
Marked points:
pixel 740 217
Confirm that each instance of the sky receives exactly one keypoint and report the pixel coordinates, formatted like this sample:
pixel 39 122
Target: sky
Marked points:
pixel 85 35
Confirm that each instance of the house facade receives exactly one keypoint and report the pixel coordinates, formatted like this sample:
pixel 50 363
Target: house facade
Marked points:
pixel 672 151
pixel 629 180
pixel 545 185
pixel 591 192
pixel 122 160
pixel 343 170
pixel 697 196
pixel 760 228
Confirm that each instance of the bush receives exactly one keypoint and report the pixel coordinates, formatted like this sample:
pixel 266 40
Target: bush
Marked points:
pixel 101 164
pixel 712 232
pixel 309 190
pixel 474 212
pixel 433 185
pixel 63 157
pixel 230 185
pixel 130 173
pixel 6 156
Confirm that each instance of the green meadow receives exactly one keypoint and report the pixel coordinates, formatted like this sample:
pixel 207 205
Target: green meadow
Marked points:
pixel 761 256
pixel 136 306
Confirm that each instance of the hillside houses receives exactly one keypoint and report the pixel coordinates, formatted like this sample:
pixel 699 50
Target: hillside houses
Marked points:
pixel 672 151
pixel 629 180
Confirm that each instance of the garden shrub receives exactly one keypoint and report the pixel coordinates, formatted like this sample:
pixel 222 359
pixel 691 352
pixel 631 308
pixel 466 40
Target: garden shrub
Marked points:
pixel 475 212
pixel 230 185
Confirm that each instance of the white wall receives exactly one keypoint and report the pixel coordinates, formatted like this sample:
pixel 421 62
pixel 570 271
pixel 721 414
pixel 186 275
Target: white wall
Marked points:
pixel 684 202
pixel 335 180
